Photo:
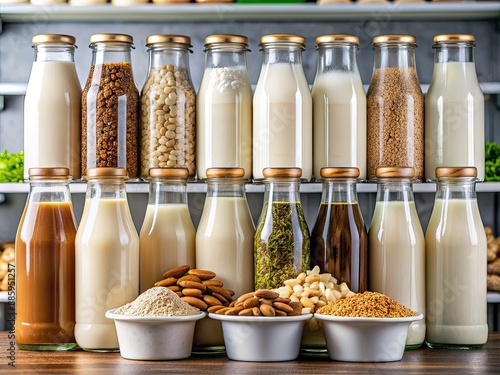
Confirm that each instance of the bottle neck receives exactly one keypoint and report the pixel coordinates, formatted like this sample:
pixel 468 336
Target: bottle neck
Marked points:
pixel 285 53
pixel 169 54
pixel 282 190
pixel 454 52
pixel 106 188
pixel 225 187
pixel 337 57
pixel 164 191
pixel 456 188
pixel 222 55
pixel 54 52
pixel 391 55
pixel 394 190
pixel 103 53
pixel 339 191
pixel 49 191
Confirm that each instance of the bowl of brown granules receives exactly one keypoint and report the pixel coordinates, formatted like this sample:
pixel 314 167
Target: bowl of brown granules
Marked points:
pixel 366 327
pixel 157 325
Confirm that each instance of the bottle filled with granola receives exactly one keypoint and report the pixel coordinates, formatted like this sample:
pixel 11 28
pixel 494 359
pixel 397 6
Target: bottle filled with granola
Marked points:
pixel 110 131
pixel 282 242
pixel 224 106
pixel 168 104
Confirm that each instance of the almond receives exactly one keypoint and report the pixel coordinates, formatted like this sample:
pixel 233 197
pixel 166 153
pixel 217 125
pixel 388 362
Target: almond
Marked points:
pixel 174 288
pixel 280 312
pixel 166 282
pixel 176 271
pixel 251 302
pixel 211 301
pixel 214 308
pixel 212 282
pixel 189 278
pixel 233 311
pixel 281 299
pixel 297 308
pixel 220 298
pixel 266 293
pixel 202 274
pixel 283 307
pixel 246 312
pixel 222 292
pixel 196 302
pixel 193 284
pixel 245 296
pixel 268 302
pixel 223 310
pixel 192 292
pixel 267 310
pixel 256 311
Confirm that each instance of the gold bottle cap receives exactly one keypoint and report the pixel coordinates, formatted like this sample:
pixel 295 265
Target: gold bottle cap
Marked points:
pixel 274 38
pixel 337 38
pixel 106 172
pixel 282 172
pixel 111 38
pixel 456 172
pixel 179 172
pixel 454 38
pixel 168 38
pixel 337 172
pixel 226 38
pixel 225 172
pixel 53 39
pixel 48 173
pixel 395 172
pixel 394 39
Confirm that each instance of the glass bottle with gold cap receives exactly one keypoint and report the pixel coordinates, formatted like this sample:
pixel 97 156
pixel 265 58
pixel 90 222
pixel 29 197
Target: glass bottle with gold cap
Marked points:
pixel 395 107
pixel 396 246
pixel 454 108
pixel 167 237
pixel 456 264
pixel 52 106
pixel 110 130
pixel 168 104
pixel 339 106
pixel 282 108
pixel 224 107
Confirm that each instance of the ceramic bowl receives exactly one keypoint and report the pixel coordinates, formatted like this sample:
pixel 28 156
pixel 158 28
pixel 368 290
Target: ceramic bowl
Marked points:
pixel 366 339
pixel 155 338
pixel 262 338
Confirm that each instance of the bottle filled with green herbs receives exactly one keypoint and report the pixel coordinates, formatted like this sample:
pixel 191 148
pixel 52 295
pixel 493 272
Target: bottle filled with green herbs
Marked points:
pixel 282 243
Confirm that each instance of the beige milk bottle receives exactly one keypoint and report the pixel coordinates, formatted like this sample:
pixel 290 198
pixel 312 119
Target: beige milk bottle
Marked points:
pixel 224 243
pixel 224 107
pixel 167 235
pixel 282 108
pixel 396 246
pixel 107 258
pixel 52 106
pixel 454 108
pixel 456 264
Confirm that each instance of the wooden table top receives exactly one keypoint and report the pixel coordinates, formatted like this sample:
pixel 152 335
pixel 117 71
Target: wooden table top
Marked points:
pixel 482 361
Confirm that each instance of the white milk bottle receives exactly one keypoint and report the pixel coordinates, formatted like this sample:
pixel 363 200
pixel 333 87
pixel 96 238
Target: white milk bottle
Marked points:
pixel 107 258
pixel 167 237
pixel 339 106
pixel 224 244
pixel 282 108
pixel 396 246
pixel 456 264
pixel 52 106
pixel 224 107
pixel 454 108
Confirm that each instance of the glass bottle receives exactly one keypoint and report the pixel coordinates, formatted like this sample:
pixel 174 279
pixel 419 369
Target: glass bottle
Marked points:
pixel 107 258
pixel 339 240
pixel 456 264
pixel 282 108
pixel 224 243
pixel 224 107
pixel 454 108
pixel 168 103
pixel 395 107
pixel 52 106
pixel 396 246
pixel 167 237
pixel 282 242
pixel 339 106
pixel 110 131
pixel 45 264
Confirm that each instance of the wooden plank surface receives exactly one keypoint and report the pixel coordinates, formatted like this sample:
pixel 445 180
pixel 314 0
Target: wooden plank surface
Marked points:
pixel 482 361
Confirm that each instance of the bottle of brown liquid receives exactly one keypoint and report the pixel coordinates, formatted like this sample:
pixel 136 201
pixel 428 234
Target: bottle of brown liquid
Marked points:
pixel 45 264
pixel 339 240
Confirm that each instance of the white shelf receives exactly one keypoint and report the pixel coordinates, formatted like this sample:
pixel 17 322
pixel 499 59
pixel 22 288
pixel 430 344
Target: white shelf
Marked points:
pixel 252 12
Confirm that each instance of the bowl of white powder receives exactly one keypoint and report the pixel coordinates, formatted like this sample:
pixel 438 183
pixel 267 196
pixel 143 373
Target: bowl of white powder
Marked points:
pixel 157 325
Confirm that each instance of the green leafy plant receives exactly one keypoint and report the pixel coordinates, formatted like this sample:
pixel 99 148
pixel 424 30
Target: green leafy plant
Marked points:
pixel 11 166
pixel 492 162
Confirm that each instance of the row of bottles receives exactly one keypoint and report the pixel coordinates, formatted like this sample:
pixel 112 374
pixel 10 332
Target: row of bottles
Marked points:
pixel 282 125
pixel 66 278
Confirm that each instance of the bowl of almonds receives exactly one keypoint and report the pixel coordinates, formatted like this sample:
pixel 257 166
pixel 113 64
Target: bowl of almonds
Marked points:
pixel 261 326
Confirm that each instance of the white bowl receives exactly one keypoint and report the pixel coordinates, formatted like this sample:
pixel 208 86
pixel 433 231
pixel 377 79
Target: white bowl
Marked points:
pixel 155 338
pixel 262 338
pixel 366 339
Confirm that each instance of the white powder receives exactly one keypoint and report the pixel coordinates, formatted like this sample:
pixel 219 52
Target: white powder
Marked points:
pixel 158 301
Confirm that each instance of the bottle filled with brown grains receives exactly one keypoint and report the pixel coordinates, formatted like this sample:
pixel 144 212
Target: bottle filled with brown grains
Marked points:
pixel 110 130
pixel 395 107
